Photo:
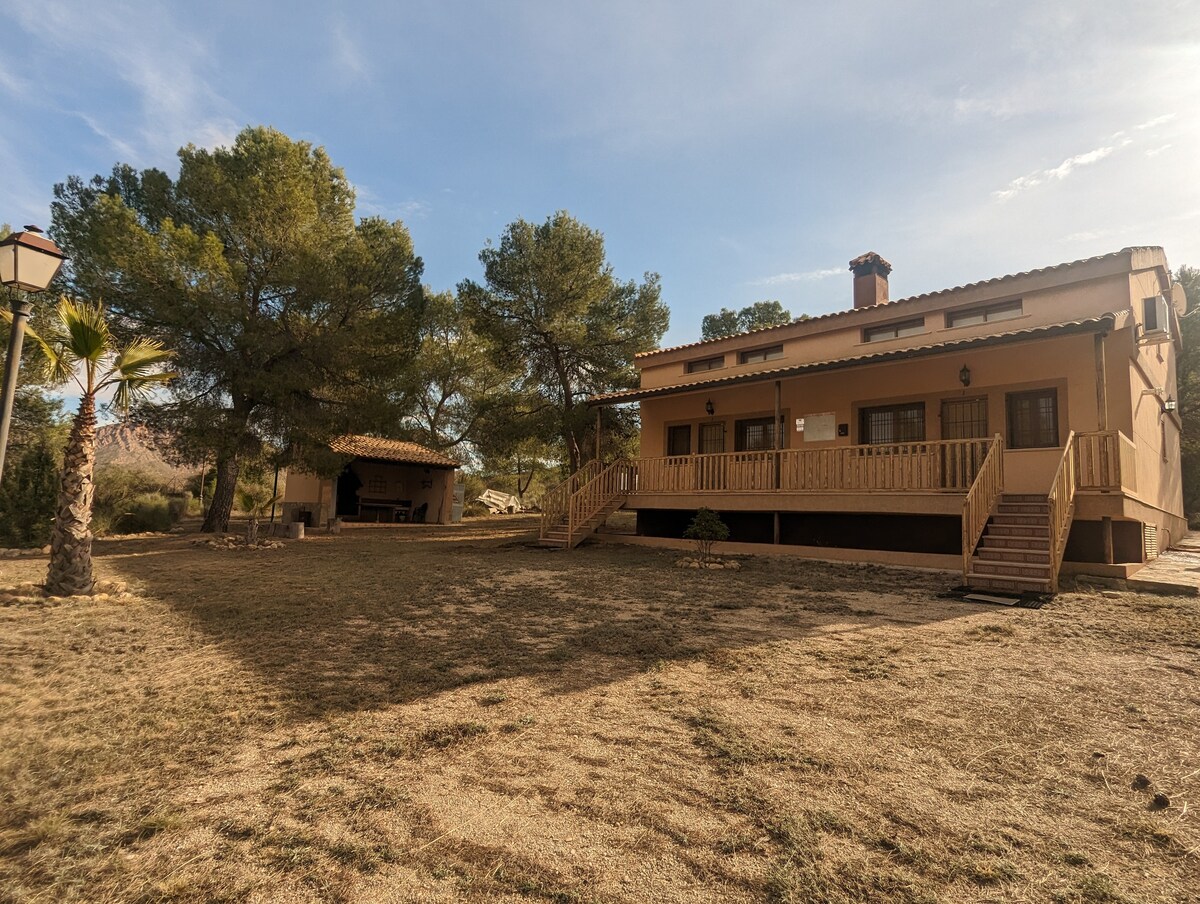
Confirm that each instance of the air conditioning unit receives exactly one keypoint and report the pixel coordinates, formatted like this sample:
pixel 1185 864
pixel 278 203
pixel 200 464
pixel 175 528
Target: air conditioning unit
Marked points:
pixel 1156 319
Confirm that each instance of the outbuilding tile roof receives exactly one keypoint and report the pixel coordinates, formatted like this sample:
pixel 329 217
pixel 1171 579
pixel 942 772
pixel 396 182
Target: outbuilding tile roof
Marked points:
pixel 1092 324
pixel 396 450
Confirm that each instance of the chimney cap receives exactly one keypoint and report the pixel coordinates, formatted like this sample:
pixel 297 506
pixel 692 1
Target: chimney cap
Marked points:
pixel 868 263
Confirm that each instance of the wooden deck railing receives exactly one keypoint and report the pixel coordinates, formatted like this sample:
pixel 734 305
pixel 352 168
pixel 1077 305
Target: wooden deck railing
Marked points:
pixel 594 495
pixel 940 465
pixel 1062 506
pixel 981 500
pixel 555 502
pixel 1105 460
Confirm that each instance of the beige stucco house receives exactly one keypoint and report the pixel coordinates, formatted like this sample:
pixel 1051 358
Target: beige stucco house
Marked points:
pixel 383 480
pixel 1013 427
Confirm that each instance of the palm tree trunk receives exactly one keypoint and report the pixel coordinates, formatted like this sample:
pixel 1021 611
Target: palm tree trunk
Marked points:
pixel 71 540
pixel 217 520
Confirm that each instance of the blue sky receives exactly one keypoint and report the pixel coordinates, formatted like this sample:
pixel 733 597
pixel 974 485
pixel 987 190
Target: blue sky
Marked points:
pixel 743 151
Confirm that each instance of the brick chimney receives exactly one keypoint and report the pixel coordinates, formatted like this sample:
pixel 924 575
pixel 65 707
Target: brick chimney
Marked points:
pixel 870 280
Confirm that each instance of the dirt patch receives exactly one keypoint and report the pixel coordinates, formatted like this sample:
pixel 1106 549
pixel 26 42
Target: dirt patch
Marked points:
pixel 424 713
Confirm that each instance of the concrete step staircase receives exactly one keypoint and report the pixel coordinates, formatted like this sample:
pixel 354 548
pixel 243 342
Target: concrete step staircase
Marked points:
pixel 558 537
pixel 1013 555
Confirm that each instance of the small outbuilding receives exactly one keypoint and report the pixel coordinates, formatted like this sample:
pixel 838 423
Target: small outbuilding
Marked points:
pixel 385 480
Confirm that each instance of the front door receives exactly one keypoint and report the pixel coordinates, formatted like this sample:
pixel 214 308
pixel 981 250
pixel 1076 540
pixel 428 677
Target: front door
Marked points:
pixel 963 419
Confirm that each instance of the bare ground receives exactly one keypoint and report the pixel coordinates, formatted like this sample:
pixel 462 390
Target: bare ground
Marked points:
pixel 446 714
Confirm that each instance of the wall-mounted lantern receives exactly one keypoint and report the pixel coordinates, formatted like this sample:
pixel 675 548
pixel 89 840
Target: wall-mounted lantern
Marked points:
pixel 964 376
pixel 708 406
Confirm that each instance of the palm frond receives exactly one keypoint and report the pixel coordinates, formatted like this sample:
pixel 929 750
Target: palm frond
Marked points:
pixel 57 364
pixel 85 329
pixel 140 358
pixel 132 389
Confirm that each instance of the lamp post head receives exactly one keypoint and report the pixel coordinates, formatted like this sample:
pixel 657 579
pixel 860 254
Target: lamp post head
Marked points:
pixel 29 260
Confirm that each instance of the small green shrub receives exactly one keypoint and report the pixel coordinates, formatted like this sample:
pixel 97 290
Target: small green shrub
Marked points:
pixel 475 510
pixel 28 497
pixel 706 529
pixel 179 505
pixel 145 512
pixel 116 487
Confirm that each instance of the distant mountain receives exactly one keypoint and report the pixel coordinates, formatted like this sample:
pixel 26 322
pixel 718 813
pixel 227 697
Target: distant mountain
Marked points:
pixel 137 448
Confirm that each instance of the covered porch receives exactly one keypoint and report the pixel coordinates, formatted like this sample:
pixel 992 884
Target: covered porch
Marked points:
pixel 953 490
pixel 1103 461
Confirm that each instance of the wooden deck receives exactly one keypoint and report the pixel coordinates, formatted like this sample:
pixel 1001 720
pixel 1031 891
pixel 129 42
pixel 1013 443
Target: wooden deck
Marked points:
pixel 961 478
pixel 1101 461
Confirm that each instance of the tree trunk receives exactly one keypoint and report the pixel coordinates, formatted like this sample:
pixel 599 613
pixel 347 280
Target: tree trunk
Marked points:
pixel 217 520
pixel 71 540
pixel 522 490
pixel 573 455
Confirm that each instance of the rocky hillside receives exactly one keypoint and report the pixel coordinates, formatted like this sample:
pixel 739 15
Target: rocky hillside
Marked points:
pixel 136 448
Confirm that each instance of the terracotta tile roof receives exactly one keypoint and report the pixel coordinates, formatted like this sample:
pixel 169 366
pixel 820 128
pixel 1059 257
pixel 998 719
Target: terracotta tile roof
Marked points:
pixel 396 450
pixel 870 258
pixel 1102 322
pixel 901 301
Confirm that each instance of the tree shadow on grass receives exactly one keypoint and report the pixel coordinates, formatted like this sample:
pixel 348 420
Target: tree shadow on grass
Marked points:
pixel 375 618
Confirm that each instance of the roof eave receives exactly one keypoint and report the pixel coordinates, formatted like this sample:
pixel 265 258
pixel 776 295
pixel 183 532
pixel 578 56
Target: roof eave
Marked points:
pixel 1102 323
pixel 1113 262
pixel 400 461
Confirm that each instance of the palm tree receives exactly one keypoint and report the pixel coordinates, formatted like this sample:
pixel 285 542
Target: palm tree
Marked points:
pixel 77 345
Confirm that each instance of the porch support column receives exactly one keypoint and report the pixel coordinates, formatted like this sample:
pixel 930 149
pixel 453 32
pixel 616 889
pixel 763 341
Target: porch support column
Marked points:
pixel 331 515
pixel 1101 384
pixel 598 411
pixel 778 431
pixel 777 528
pixel 1108 541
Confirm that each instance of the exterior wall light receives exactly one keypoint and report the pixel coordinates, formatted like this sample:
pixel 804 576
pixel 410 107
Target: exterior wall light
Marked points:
pixel 708 407
pixel 964 376
pixel 28 262
pixel 1170 404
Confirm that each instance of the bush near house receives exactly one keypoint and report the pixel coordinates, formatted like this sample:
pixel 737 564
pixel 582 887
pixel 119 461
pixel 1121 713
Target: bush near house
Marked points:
pixel 706 529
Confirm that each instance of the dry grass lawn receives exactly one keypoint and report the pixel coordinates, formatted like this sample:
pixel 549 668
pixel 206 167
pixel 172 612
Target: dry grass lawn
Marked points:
pixel 447 714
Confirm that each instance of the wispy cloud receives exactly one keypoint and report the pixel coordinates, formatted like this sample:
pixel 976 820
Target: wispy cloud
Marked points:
pixel 165 67
pixel 371 205
pixel 122 147
pixel 414 209
pixel 1058 173
pixel 780 279
pixel 24 199
pixel 14 84
pixel 1089 235
pixel 1118 140
pixel 347 56
pixel 1156 121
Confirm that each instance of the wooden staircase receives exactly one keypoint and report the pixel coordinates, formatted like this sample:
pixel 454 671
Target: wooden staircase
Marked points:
pixel 577 508
pixel 560 536
pixel 1015 552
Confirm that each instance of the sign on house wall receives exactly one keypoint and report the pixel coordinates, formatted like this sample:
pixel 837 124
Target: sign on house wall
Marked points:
pixel 818 428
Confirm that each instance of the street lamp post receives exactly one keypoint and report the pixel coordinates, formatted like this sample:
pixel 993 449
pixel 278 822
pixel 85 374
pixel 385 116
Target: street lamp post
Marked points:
pixel 28 261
